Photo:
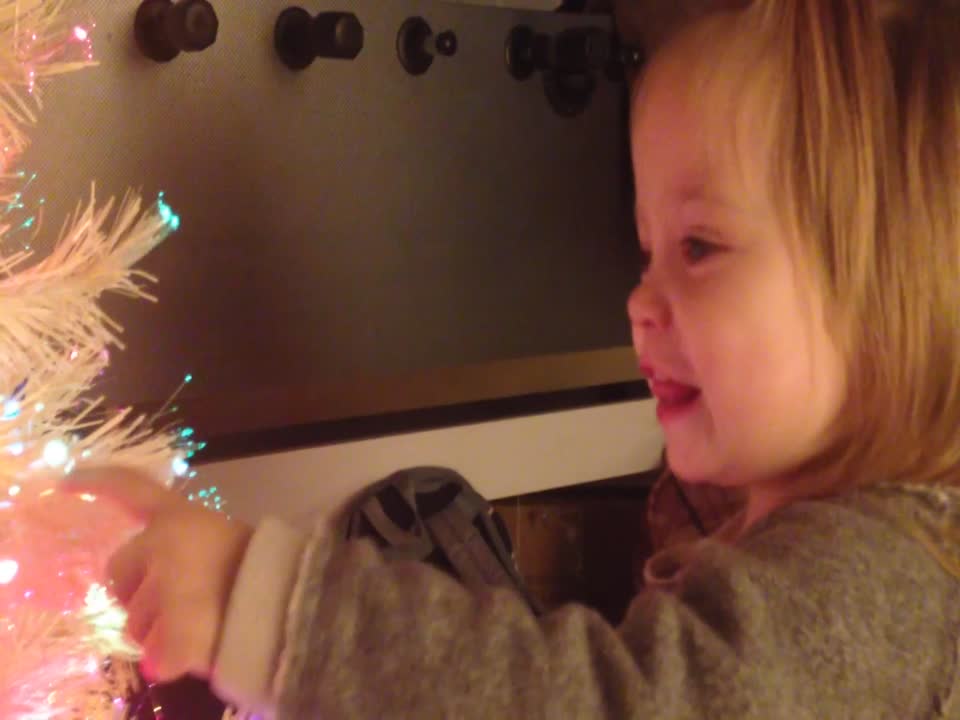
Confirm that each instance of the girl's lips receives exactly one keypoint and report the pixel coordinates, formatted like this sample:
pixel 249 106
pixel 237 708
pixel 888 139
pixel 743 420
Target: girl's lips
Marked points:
pixel 673 393
pixel 674 400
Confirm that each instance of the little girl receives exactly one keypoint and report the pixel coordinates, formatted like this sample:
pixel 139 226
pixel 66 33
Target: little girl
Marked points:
pixel 797 167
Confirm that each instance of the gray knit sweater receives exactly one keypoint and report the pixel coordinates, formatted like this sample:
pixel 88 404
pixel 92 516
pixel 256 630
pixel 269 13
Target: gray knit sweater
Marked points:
pixel 836 608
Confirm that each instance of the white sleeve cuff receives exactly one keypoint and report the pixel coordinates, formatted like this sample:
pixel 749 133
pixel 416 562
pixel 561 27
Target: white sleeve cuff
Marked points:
pixel 254 624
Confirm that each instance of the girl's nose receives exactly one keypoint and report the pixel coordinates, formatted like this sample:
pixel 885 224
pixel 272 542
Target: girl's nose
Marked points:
pixel 647 308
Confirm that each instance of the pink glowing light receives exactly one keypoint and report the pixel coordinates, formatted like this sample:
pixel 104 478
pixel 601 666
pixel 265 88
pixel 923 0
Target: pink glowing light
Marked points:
pixel 8 571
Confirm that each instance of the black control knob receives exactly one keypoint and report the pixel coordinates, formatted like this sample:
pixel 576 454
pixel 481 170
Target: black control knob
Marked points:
pixel 525 51
pixel 414 41
pixel 164 28
pixel 568 62
pixel 575 50
pixel 300 38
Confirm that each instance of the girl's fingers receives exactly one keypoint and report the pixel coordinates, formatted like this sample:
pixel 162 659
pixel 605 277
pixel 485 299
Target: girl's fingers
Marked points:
pixel 143 612
pixel 127 568
pixel 134 490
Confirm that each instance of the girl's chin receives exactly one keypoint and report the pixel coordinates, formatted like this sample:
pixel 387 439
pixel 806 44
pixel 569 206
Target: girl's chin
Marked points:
pixel 698 470
pixel 687 467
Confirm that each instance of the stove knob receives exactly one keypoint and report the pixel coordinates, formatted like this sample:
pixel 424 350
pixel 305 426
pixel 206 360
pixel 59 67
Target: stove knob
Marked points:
pixel 416 44
pixel 300 38
pixel 164 28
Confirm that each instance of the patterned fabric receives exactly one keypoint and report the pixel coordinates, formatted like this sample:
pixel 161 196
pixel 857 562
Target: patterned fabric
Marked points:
pixel 680 515
pixel 679 512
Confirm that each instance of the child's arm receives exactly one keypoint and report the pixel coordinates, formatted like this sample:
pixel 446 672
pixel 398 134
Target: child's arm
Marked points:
pixel 814 615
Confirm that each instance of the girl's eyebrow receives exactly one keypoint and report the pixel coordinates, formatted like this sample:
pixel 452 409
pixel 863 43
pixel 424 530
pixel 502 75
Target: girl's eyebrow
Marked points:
pixel 684 200
pixel 696 191
pixel 702 193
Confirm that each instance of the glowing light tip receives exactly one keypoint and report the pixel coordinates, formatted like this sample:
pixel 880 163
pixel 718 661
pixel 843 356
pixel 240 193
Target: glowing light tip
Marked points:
pixel 167 214
pixel 180 467
pixel 11 409
pixel 81 33
pixel 8 571
pixel 56 453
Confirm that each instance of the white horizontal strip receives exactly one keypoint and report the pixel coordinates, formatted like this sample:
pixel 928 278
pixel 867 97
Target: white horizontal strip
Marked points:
pixel 500 458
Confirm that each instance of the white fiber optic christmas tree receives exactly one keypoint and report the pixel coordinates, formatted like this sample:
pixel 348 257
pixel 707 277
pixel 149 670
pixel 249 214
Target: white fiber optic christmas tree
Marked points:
pixel 63 653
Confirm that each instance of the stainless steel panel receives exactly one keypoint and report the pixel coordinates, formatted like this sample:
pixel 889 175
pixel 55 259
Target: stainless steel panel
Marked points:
pixel 350 226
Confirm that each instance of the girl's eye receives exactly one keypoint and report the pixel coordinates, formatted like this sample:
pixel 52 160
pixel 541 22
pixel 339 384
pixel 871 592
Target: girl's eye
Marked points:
pixel 696 249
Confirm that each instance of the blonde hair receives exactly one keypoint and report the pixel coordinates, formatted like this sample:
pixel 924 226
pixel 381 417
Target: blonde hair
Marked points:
pixel 864 109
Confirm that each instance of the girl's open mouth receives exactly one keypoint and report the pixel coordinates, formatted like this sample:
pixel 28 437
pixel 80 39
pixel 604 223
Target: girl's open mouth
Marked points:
pixel 673 399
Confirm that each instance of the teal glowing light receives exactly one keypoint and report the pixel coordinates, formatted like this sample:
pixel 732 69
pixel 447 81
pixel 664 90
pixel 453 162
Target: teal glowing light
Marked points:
pixel 167 214
pixel 11 410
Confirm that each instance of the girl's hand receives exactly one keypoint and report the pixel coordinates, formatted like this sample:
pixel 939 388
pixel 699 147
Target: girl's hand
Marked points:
pixel 175 577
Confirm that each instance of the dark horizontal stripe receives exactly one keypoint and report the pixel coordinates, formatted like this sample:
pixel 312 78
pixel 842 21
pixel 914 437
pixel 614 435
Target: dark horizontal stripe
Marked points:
pixel 276 439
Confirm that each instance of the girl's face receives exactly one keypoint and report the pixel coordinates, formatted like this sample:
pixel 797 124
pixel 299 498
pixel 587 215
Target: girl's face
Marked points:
pixel 726 325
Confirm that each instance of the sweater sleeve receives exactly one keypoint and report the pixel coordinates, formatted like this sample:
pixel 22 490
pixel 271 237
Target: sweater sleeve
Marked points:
pixel 252 636
pixel 815 615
